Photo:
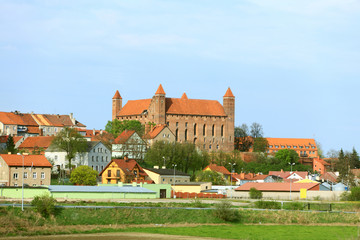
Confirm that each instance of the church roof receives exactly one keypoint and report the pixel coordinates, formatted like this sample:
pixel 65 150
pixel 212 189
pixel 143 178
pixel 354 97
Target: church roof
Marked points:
pixel 229 93
pixel 135 107
pixel 117 95
pixel 184 96
pixel 160 90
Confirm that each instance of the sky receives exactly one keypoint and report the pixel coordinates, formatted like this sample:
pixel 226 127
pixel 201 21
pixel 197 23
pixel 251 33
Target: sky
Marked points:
pixel 293 66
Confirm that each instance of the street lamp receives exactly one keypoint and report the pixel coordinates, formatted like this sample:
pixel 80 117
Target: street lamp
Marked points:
pixel 291 164
pixel 174 165
pixel 22 184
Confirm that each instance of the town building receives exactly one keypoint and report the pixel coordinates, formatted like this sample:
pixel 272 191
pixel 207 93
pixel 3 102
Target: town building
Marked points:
pixel 97 156
pixel 305 147
pixel 17 141
pixel 160 132
pixel 36 144
pixel 129 144
pixel 220 169
pixel 288 176
pixel 167 176
pixel 31 124
pixel 206 123
pixel 122 170
pixel 35 170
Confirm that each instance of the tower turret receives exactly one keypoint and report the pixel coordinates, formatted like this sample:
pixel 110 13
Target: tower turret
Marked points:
pixel 229 107
pixel 116 104
pixel 159 105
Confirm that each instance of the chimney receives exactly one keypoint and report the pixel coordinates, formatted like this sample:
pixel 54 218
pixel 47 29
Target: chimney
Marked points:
pixel 242 175
pixel 101 131
pixel 282 171
pixel 94 132
pixel 72 118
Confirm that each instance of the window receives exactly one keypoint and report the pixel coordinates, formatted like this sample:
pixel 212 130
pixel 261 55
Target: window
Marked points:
pixel 94 150
pixel 213 130
pixel 195 129
pixel 204 129
pixel 135 173
pixel 97 168
pixel 176 134
pixel 15 185
pixel 185 134
pixel 92 158
pixel 307 147
pixel 109 181
pixel 117 173
pixel 222 130
pixel 164 135
pixel 186 124
pixel 102 168
pixel 276 146
pixel 102 158
pixel 34 185
pixel 163 179
pixel 295 146
pixel 42 175
pixel 282 146
pixel 106 158
pixel 217 146
pixel 34 175
pixel 270 146
pixel 92 166
pixel 167 123
pixel 15 176
pixel 210 146
pixel 177 124
pixel 109 173
pixel 97 158
pixel 25 175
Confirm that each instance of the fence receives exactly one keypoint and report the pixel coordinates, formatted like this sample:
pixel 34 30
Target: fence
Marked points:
pixel 196 195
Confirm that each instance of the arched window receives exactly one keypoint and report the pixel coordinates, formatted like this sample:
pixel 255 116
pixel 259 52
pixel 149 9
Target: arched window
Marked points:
pixel 213 130
pixel 92 158
pixel 195 129
pixel 222 130
pixel 204 129
pixel 185 134
pixel 195 140
pixel 176 134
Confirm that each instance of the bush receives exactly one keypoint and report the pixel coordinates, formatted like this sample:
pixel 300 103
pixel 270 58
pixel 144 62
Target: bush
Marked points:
pixel 355 194
pixel 197 203
pixel 84 175
pixel 255 194
pixel 44 204
pixel 224 211
pixel 268 205
pixel 294 206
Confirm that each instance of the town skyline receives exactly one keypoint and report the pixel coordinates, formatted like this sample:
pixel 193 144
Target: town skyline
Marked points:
pixel 291 66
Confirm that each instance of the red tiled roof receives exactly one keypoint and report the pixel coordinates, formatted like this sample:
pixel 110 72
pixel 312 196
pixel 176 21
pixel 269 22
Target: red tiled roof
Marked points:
pixel 194 107
pixel 292 142
pixel 127 166
pixel 220 169
pixel 229 93
pixel 322 162
pixel 135 107
pixel 124 136
pixel 39 141
pixel 286 174
pixel 160 90
pixel 155 131
pixel 35 130
pixel 277 186
pixel 15 160
pixel 117 95
pixel 184 96
pixel 10 118
pixel 329 176
pixel 3 139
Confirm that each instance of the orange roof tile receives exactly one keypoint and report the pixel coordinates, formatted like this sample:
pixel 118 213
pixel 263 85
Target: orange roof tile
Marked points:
pixel 229 93
pixel 329 176
pixel 292 142
pixel 3 139
pixel 184 96
pixel 286 174
pixel 33 130
pixel 124 136
pixel 323 162
pixel 194 107
pixel 155 131
pixel 135 107
pixel 39 141
pixel 11 118
pixel 160 90
pixel 15 160
pixel 117 95
pixel 220 169
pixel 127 166
pixel 277 186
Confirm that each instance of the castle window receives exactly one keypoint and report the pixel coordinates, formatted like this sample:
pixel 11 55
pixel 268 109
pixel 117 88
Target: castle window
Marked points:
pixel 176 134
pixel 217 146
pixel 177 124
pixel 195 129
pixel 186 124
pixel 222 130
pixel 210 146
pixel 185 134
pixel 167 123
pixel 204 130
pixel 213 130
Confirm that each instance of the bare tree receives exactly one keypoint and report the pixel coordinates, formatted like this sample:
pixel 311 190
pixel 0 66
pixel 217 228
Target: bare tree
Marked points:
pixel 256 130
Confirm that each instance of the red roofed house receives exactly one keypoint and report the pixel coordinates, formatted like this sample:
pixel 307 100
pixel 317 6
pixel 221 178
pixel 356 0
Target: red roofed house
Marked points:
pixel 122 170
pixel 219 169
pixel 17 141
pixel 303 146
pixel 30 124
pixel 33 144
pixel 320 165
pixel 206 123
pixel 37 170
pixel 130 144
pixel 160 132
pixel 290 176
pixel 242 178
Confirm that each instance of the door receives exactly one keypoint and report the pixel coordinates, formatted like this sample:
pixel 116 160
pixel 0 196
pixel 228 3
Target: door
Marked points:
pixel 162 193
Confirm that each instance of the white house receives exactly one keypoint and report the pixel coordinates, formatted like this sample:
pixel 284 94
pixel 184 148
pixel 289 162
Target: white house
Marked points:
pixel 130 144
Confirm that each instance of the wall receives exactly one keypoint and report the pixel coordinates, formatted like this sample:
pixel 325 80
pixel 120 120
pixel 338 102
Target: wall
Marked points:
pixel 311 195
pixel 157 187
pixel 30 180
pixel 16 192
pixel 192 188
pixel 102 195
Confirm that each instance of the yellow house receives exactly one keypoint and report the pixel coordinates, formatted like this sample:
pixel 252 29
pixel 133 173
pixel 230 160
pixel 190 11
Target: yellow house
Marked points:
pixel 219 169
pixel 122 170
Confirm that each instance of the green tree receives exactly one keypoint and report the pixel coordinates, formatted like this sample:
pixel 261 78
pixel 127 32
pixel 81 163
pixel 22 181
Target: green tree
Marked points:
pixel 242 141
pixel 286 156
pixel 10 145
pixel 185 155
pixel 260 144
pixel 354 159
pixel 344 167
pixel 70 141
pixel 83 175
pixel 116 127
pixel 210 176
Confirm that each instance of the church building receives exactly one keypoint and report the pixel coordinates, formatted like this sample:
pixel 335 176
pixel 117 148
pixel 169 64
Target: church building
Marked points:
pixel 206 123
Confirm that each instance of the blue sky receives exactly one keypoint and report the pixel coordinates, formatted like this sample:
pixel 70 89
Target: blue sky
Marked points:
pixel 294 66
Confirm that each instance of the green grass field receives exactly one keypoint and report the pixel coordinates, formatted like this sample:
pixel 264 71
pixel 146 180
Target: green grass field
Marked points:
pixel 276 232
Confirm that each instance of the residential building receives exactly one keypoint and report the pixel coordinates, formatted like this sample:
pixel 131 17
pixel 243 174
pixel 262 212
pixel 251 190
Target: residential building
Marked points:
pixel 167 176
pixel 320 165
pixel 30 124
pixel 242 178
pixel 305 147
pixel 97 156
pixel 129 144
pixel 219 169
pixel 122 170
pixel 36 144
pixel 288 176
pixel 160 132
pixel 206 123
pixel 17 141
pixel 35 170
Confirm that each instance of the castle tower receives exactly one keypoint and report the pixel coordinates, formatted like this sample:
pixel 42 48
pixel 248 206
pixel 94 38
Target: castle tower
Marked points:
pixel 229 107
pixel 116 104
pixel 159 106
